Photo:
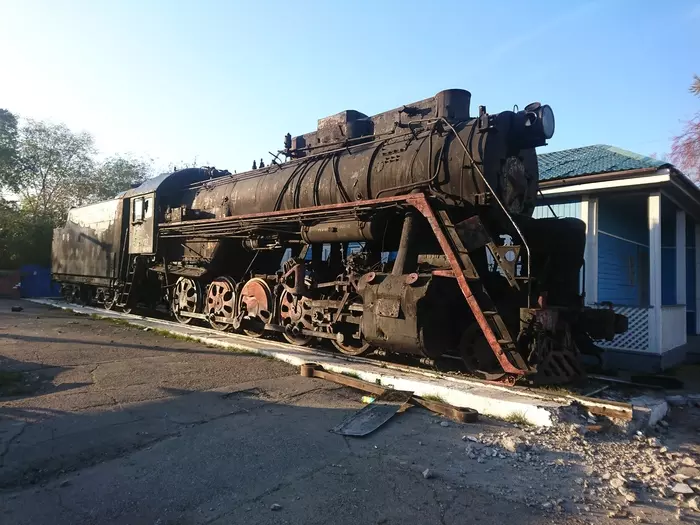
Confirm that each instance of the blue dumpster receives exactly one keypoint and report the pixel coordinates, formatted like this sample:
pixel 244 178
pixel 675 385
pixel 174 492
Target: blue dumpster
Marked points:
pixel 36 282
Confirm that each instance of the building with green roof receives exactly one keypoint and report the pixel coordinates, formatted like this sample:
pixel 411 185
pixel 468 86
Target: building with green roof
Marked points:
pixel 642 247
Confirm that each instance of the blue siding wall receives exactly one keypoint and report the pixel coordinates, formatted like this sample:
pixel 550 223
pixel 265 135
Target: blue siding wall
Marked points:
pixel 625 217
pixel 668 252
pixel 623 251
pixel 690 276
pixel 570 208
pixel 690 290
pixel 668 275
pixel 622 273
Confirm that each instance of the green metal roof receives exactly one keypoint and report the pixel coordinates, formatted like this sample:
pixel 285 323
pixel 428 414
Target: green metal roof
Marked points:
pixel 588 160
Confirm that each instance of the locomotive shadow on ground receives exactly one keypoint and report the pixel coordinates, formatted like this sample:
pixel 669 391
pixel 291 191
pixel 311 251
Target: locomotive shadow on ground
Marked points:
pixel 211 455
pixel 19 379
pixel 41 339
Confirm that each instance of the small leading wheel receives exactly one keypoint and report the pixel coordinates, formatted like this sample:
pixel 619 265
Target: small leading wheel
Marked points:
pixel 187 297
pixel 221 302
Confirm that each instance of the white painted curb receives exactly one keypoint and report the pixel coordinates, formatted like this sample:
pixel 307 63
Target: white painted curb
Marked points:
pixel 490 400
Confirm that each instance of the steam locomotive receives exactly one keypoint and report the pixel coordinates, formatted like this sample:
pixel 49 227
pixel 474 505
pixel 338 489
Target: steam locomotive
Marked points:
pixel 410 231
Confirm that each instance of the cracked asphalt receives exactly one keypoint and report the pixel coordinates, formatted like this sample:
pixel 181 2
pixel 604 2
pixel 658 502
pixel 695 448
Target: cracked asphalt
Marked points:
pixel 110 424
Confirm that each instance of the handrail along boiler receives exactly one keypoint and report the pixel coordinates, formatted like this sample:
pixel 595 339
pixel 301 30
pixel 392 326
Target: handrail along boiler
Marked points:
pixel 409 231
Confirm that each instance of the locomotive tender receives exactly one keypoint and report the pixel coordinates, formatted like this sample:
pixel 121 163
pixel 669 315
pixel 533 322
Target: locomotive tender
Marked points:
pixel 409 231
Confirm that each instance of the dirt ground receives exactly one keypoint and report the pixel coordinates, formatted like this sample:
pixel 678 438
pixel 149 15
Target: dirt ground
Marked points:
pixel 106 423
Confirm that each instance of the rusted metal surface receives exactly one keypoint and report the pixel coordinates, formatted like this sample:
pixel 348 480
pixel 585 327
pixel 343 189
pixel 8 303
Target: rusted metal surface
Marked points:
pixel 444 273
pixel 391 319
pixel 473 233
pixel 422 205
pixel 255 304
pixel 221 302
pixel 142 224
pixel 186 298
pixel 370 417
pixel 267 250
pixel 404 158
pixel 296 316
pixel 87 249
pixel 459 414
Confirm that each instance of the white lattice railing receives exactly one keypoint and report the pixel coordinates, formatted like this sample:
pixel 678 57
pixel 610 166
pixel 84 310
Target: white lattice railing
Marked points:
pixel 637 335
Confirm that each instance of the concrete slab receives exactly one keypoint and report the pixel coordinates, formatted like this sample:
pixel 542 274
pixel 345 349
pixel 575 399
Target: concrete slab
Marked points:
pixel 649 410
pixel 507 403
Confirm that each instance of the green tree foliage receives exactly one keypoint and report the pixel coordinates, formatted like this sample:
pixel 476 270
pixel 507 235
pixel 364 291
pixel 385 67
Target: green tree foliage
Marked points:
pixel 24 238
pixel 54 170
pixel 8 145
pixel 45 169
pixel 117 174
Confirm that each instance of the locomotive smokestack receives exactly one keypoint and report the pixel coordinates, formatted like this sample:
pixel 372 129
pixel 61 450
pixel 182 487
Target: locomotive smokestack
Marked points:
pixel 453 104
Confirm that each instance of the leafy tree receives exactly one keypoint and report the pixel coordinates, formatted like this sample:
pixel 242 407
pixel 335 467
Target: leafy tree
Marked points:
pixel 24 238
pixel 685 148
pixel 53 168
pixel 48 168
pixel 8 145
pixel 118 174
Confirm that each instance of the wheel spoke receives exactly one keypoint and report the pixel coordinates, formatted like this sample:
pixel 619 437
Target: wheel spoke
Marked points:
pixel 221 302
pixel 187 297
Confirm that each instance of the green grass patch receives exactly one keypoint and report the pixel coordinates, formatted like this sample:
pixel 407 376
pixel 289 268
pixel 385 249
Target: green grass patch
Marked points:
pixel 113 320
pixel 517 417
pixel 557 390
pixel 434 397
pixel 11 383
pixel 171 335
pixel 352 374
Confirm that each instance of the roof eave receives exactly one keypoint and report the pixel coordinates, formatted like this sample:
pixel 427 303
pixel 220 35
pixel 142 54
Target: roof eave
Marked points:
pixel 684 193
pixel 599 177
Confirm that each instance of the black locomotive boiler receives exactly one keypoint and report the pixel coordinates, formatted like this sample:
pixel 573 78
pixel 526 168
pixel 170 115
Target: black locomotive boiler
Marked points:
pixel 410 231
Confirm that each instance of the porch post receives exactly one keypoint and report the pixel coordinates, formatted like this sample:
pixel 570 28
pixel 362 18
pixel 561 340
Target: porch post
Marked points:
pixel 589 215
pixel 681 256
pixel 697 277
pixel 654 217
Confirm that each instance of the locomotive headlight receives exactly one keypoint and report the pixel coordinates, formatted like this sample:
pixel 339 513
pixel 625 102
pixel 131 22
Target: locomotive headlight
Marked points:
pixel 538 123
pixel 547 119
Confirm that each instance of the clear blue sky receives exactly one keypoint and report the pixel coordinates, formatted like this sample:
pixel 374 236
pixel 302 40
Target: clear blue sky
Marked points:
pixel 223 81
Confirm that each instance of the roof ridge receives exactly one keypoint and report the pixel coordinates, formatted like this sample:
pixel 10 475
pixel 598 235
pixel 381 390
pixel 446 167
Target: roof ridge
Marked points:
pixel 632 154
